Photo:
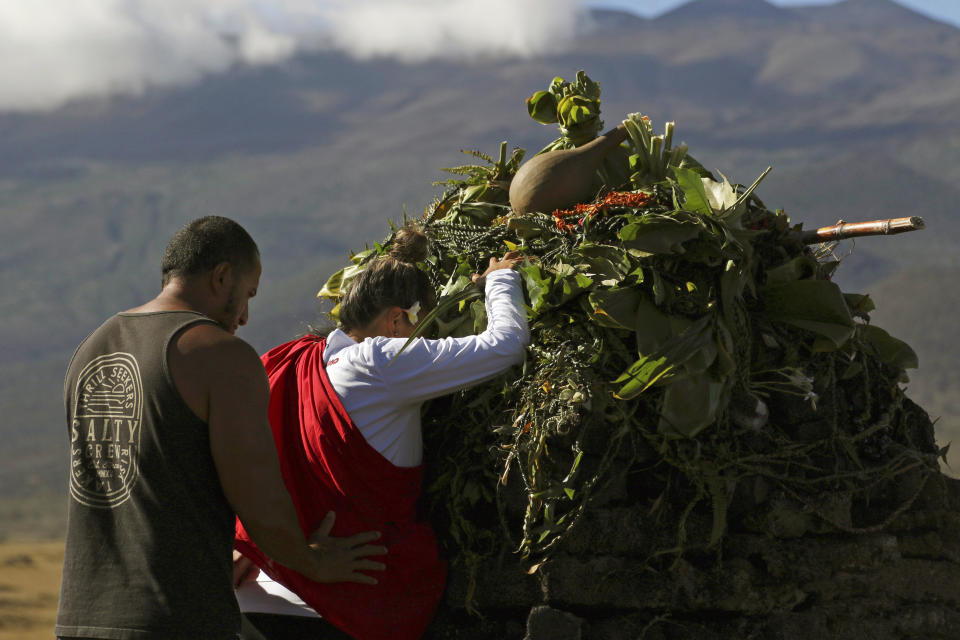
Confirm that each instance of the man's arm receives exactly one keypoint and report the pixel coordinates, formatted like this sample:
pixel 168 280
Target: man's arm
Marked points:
pixel 235 408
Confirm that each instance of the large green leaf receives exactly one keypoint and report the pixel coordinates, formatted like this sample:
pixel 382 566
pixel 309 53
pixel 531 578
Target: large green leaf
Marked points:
pixel 577 110
pixel 456 284
pixel 476 213
pixel 587 86
pixel 457 327
pixel 615 307
pixel 538 284
pixel 696 342
pixel 605 262
pixel 860 304
pixel 814 305
pixel 703 356
pixel 733 281
pixel 478 313
pixel 660 333
pixel 542 107
pixel 331 288
pixel 726 361
pixel 651 235
pixel 694 195
pixel 890 350
pixel 642 375
pixel 690 404
pixel 337 284
pixel 800 268
pixel 654 328
pixel 573 285
pixel 362 256
pixel 696 336
pixel 604 271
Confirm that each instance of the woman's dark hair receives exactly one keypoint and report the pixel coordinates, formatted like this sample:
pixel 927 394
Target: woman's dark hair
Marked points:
pixel 392 280
pixel 204 243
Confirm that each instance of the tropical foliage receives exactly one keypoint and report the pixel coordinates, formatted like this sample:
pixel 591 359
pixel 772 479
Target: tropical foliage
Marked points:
pixel 677 318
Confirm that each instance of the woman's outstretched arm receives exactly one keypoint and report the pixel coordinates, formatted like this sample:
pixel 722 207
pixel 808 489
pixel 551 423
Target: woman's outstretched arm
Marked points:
pixel 431 368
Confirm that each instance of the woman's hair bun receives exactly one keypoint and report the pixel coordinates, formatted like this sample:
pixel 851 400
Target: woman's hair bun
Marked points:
pixel 410 245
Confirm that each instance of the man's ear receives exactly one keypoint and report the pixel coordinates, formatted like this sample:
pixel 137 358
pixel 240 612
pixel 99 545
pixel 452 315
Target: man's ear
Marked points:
pixel 221 277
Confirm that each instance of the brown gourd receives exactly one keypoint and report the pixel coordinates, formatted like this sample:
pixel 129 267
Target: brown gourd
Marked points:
pixel 563 178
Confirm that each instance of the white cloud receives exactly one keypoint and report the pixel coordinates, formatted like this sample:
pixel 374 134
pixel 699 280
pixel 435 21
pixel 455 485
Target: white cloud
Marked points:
pixel 53 51
pixel 453 28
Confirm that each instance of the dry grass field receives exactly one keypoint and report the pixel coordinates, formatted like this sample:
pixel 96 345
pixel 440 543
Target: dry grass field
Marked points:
pixel 29 588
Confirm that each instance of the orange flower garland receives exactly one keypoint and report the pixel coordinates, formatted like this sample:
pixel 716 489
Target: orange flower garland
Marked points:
pixel 634 200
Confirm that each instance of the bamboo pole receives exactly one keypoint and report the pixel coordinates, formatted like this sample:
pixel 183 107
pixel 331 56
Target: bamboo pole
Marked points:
pixel 843 230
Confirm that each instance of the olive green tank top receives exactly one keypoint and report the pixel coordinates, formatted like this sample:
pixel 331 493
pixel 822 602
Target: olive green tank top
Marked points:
pixel 149 531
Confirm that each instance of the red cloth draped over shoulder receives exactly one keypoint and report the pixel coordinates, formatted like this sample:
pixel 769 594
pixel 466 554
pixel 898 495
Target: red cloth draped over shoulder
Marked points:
pixel 327 464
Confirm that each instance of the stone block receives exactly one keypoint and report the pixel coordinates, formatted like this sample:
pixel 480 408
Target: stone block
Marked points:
pixel 500 584
pixel 626 531
pixel 547 623
pixel 932 545
pixel 609 582
pixel 910 580
pixel 814 558
pixel 612 582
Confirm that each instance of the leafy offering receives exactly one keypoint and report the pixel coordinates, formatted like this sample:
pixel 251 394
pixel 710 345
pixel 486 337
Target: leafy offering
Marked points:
pixel 681 333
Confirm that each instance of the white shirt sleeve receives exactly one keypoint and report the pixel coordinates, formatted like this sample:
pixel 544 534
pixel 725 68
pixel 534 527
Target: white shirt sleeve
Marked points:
pixel 431 368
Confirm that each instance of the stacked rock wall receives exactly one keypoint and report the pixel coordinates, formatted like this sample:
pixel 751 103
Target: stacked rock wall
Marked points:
pixel 894 572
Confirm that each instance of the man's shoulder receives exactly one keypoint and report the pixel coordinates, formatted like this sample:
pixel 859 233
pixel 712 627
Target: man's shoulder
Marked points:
pixel 209 345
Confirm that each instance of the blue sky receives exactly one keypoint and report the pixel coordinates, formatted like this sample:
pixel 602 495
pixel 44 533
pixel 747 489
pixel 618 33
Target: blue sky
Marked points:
pixel 943 10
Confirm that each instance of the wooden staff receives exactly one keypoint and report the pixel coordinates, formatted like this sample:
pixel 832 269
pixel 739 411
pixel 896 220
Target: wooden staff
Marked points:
pixel 843 230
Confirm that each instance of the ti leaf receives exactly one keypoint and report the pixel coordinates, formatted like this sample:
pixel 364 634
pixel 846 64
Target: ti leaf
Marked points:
pixel 860 304
pixel 694 195
pixel 615 307
pixel 799 268
pixel 814 305
pixel 690 404
pixel 641 375
pixel 695 338
pixel 890 350
pixel 538 285
pixel 652 235
pixel 336 285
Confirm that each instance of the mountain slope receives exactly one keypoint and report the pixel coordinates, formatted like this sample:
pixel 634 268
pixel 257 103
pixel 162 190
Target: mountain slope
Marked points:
pixel 748 11
pixel 866 14
pixel 314 155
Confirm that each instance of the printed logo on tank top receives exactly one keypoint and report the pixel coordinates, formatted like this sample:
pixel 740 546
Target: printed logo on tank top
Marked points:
pixel 105 431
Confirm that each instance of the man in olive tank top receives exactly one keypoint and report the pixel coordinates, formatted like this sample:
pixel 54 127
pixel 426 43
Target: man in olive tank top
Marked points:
pixel 167 422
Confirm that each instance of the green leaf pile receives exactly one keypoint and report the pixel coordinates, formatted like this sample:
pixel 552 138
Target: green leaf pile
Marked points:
pixel 688 340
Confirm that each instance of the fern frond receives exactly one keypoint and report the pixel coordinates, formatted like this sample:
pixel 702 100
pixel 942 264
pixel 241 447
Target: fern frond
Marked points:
pixel 469 170
pixel 478 154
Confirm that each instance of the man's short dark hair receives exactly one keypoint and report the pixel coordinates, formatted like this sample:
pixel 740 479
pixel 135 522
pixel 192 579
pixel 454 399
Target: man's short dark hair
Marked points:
pixel 204 243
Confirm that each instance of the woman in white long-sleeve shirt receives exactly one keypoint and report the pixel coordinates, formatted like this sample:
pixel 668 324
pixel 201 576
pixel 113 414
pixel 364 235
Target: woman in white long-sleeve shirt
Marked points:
pixel 379 392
